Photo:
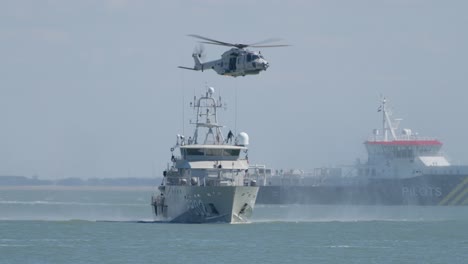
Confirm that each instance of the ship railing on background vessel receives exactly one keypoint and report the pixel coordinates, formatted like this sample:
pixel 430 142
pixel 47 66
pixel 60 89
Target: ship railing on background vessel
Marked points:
pixel 259 173
pixel 446 170
pixel 400 138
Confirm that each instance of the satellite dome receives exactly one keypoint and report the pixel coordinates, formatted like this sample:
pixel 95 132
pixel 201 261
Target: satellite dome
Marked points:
pixel 243 139
pixel 211 91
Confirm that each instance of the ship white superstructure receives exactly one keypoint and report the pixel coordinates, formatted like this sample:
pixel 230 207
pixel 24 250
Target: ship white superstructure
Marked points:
pixel 206 181
pixel 398 154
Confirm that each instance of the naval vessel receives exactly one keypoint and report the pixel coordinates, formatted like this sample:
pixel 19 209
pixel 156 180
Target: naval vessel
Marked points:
pixel 402 168
pixel 205 180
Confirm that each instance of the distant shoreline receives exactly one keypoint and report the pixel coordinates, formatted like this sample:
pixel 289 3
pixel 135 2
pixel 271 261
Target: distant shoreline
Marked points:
pixel 34 183
pixel 77 188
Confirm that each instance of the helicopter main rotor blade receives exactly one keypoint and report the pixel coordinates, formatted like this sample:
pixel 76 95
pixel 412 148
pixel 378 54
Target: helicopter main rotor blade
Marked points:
pixel 219 44
pixel 212 41
pixel 268 46
pixel 239 45
pixel 265 41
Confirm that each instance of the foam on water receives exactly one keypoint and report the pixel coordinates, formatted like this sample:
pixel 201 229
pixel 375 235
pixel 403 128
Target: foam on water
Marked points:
pixel 354 213
pixel 135 206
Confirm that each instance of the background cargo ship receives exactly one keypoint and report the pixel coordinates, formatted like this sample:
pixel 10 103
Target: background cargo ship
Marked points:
pixel 402 169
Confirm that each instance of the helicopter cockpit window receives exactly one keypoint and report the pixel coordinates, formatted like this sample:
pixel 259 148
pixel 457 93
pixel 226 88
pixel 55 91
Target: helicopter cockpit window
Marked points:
pixel 254 57
pixel 249 57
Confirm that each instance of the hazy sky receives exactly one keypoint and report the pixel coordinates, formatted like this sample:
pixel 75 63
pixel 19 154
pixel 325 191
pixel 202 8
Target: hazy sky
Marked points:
pixel 91 88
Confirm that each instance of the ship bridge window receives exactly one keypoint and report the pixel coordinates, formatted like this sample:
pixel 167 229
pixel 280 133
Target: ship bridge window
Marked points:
pixel 403 152
pixel 212 152
pixel 231 152
pixel 195 152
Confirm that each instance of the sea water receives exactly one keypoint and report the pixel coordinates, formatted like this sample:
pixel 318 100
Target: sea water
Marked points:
pixel 99 226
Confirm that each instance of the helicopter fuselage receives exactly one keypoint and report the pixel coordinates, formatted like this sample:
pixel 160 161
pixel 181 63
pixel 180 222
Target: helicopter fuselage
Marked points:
pixel 234 62
pixel 238 61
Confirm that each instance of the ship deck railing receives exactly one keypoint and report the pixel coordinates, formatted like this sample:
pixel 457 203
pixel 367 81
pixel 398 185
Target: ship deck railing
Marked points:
pixel 399 138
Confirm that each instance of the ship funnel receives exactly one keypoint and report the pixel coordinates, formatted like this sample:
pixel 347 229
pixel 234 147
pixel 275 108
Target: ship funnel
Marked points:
pixel 242 139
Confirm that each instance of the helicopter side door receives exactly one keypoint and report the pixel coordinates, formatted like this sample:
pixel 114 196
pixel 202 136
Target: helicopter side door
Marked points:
pixel 232 63
pixel 248 61
pixel 241 65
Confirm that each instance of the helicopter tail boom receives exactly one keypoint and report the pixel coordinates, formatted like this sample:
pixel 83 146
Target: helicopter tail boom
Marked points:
pixel 198 65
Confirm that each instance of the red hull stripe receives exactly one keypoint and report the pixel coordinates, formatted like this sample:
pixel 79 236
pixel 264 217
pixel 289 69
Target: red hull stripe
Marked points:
pixel 406 143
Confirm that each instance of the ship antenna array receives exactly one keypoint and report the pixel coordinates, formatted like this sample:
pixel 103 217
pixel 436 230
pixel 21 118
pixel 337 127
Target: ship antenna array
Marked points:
pixel 206 106
pixel 183 110
pixel 235 110
pixel 384 122
pixel 387 124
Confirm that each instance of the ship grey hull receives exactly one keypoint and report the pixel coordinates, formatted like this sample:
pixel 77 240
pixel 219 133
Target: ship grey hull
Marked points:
pixel 207 204
pixel 421 190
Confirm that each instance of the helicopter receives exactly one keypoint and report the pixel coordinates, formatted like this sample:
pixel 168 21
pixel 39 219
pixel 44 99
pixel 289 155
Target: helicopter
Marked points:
pixel 238 61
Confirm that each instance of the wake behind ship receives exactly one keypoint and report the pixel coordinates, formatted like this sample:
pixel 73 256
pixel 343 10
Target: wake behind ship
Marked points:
pixel 402 169
pixel 207 182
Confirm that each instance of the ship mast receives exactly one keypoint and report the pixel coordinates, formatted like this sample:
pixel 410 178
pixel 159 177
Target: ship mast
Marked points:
pixel 387 122
pixel 207 118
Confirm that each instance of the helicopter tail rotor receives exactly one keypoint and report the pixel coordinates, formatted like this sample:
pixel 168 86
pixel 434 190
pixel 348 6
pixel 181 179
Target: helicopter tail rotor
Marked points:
pixel 199 51
pixel 198 57
pixel 198 64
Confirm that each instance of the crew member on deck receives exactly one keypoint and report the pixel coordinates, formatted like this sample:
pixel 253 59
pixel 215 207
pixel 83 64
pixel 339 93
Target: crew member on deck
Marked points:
pixel 229 137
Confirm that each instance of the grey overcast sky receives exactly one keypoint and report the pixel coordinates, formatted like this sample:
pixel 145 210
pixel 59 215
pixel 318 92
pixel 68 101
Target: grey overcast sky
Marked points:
pixel 91 88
